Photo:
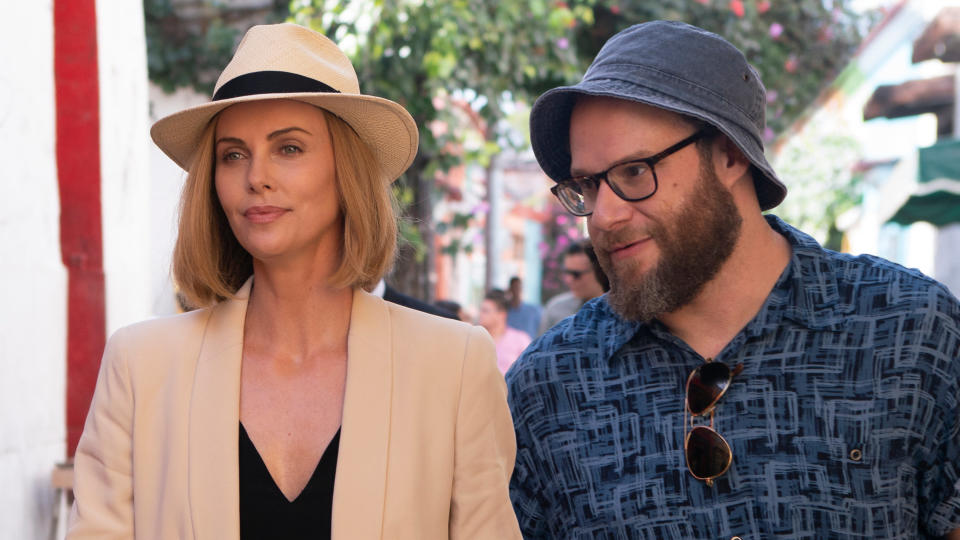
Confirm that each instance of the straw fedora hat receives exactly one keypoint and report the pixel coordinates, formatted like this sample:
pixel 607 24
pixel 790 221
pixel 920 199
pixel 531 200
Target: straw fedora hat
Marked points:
pixel 287 61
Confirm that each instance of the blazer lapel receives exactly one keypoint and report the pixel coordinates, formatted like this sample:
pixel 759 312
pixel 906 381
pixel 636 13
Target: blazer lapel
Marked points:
pixel 360 485
pixel 214 483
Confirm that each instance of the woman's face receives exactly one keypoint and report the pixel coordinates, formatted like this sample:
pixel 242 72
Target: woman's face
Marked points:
pixel 276 180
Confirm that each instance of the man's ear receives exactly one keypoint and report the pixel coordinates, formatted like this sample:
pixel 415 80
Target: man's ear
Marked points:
pixel 728 161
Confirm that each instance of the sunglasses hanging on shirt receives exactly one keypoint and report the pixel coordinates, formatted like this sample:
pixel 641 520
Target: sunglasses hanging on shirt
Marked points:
pixel 708 454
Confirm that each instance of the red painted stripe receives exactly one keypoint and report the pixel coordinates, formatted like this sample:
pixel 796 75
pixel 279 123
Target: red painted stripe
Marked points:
pixel 78 166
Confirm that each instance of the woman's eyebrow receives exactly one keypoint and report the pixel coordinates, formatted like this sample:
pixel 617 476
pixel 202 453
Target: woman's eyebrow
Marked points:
pixel 279 132
pixel 271 136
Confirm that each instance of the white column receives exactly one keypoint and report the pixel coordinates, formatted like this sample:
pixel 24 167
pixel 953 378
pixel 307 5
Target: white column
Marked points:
pixel 947 258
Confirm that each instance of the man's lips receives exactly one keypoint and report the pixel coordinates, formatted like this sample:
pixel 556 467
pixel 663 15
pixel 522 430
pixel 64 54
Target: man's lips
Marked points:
pixel 627 249
pixel 264 214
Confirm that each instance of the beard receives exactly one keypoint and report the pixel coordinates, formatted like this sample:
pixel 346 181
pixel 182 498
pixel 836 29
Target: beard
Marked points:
pixel 694 243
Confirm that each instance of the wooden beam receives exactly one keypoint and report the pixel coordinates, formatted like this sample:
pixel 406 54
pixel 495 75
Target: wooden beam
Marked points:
pixel 940 39
pixel 911 98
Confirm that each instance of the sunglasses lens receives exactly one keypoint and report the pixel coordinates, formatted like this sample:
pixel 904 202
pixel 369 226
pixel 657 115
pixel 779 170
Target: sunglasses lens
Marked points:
pixel 708 455
pixel 705 386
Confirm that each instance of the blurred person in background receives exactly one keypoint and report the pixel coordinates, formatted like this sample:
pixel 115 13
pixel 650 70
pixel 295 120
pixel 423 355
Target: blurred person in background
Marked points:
pixel 598 272
pixel 580 277
pixel 521 315
pixel 450 306
pixel 510 342
pixel 293 403
pixel 388 293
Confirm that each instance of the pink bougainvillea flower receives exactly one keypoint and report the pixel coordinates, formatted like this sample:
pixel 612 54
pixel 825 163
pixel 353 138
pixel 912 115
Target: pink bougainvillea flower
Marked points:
pixel 791 64
pixel 776 29
pixel 771 96
pixel 563 43
pixel 768 134
pixel 615 9
pixel 562 219
pixel 438 128
pixel 562 241
pixel 763 6
pixel 736 6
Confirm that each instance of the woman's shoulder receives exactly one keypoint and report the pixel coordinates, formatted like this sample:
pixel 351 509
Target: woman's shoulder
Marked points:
pixel 406 315
pixel 167 324
pixel 412 330
pixel 161 332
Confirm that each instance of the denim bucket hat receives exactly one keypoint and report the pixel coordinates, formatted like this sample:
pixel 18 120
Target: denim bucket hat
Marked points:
pixel 673 66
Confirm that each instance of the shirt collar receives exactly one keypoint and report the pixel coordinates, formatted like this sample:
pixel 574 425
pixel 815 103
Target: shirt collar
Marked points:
pixel 807 293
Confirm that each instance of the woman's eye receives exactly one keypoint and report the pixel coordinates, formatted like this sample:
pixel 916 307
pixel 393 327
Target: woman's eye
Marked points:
pixel 232 155
pixel 290 149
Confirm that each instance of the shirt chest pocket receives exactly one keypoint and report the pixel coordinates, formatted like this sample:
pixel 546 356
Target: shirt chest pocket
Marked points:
pixel 857 446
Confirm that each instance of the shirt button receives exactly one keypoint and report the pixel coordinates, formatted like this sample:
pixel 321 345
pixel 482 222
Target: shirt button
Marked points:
pixel 856 454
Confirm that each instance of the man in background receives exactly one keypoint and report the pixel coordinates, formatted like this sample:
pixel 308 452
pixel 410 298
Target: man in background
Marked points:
pixel 521 315
pixel 388 293
pixel 582 284
pixel 510 342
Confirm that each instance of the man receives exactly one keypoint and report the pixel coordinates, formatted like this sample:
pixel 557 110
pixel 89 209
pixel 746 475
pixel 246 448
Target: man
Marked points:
pixel 738 380
pixel 521 315
pixel 509 342
pixel 580 279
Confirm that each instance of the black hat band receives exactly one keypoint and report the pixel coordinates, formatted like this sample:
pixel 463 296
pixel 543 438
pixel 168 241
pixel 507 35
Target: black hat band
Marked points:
pixel 270 82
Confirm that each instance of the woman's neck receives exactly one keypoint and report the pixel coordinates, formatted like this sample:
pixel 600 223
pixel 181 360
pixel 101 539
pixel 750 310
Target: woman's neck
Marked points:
pixel 294 312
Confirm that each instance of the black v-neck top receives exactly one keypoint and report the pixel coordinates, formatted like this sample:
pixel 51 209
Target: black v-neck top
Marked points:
pixel 265 513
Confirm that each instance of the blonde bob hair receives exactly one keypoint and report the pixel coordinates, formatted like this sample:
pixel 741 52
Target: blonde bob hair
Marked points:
pixel 209 264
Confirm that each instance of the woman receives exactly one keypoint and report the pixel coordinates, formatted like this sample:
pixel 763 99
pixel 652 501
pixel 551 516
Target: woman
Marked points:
pixel 295 404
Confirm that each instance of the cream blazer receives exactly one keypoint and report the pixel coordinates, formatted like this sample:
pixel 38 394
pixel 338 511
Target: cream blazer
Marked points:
pixel 426 444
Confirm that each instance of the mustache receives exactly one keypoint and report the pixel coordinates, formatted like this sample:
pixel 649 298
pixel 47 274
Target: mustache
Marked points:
pixel 609 241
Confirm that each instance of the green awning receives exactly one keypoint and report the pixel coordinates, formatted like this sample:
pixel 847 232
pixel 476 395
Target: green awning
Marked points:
pixel 936 198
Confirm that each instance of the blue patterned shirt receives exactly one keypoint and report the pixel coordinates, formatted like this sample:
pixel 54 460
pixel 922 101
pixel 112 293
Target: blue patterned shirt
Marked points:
pixel 843 424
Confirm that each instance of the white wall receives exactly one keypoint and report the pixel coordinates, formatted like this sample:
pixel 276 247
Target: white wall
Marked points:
pixel 124 161
pixel 32 277
pixel 33 281
pixel 166 181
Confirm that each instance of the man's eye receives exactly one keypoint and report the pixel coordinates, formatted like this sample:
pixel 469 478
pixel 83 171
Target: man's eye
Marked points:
pixel 588 184
pixel 633 170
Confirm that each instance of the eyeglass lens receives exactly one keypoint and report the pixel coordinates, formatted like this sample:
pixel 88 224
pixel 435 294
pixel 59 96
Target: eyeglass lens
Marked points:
pixel 630 181
pixel 708 455
pixel 705 386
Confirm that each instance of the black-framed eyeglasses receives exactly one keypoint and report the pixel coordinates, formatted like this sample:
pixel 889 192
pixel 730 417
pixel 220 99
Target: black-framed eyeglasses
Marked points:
pixel 708 454
pixel 633 180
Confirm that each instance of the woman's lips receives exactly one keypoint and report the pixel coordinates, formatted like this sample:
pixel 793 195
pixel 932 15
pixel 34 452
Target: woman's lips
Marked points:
pixel 264 214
